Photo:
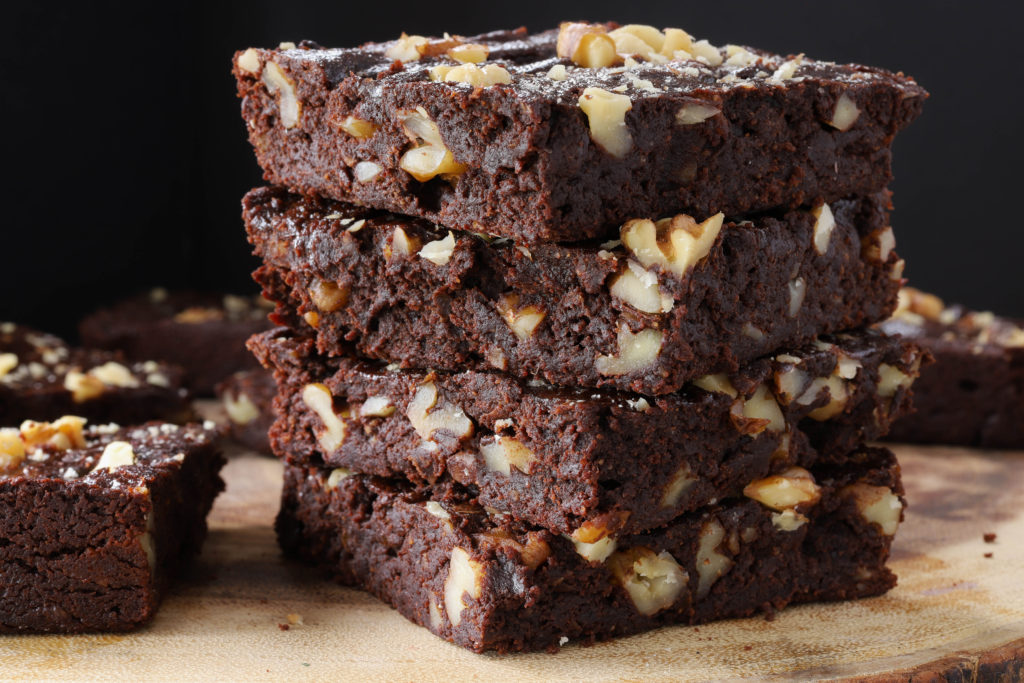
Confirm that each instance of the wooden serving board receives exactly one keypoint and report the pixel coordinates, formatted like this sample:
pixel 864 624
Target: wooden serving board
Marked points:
pixel 955 612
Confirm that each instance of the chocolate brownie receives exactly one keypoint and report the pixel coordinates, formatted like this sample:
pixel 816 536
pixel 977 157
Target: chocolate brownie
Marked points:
pixel 542 139
pixel 485 582
pixel 973 394
pixel 95 523
pixel 43 378
pixel 247 397
pixel 585 462
pixel 202 332
pixel 631 314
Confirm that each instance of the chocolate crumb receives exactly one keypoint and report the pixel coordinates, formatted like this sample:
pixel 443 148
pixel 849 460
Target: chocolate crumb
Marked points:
pixel 283 627
pixel 989 538
pixel 988 555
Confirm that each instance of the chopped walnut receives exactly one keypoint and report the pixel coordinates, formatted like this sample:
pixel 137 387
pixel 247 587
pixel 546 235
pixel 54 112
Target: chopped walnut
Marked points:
pixel 401 245
pixel 845 114
pixel 877 505
pixel 711 563
pixel 249 61
pixel 523 321
pixel 587 45
pixel 429 413
pixel 682 482
pixel 12 450
pixel 472 53
pixel 676 244
pixel 328 296
pixel 504 453
pixel 430 157
pixel 471 74
pixel 636 352
pixel 693 112
pixel 465 577
pixel 439 252
pixel 790 489
pixel 824 224
pixel 61 434
pixel 639 288
pixel 358 128
pixel 606 114
pixel 279 84
pixel 319 399
pixel 116 454
pixel 652 580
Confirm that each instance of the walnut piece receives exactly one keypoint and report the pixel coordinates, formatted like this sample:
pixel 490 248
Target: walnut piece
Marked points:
pixel 846 112
pixel 8 361
pixel 428 414
pixel 116 454
pixel 319 399
pixel 365 171
pixel 337 475
pixel 838 392
pixel 439 252
pixel 472 53
pixel 328 296
pixel 716 384
pixel 790 489
pixel 465 576
pixel 790 383
pixel 523 321
pixel 240 409
pixel 597 551
pixel 636 352
pixel 606 114
pixel 891 379
pixel 358 128
pixel 652 581
pixel 471 74
pixel 639 288
pixel 711 564
pixel 430 157
pixel 824 224
pixel 377 406
pixel 12 450
pixel 676 244
pixel 587 45
pixel 682 482
pixel 756 414
pixel 877 505
pixel 61 434
pixel 401 245
pixel 504 453
pixel 797 292
pixel 280 85
pixel 693 112
pixel 407 48
pixel 249 61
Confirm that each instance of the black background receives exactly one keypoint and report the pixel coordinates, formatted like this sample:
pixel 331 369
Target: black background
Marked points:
pixel 125 157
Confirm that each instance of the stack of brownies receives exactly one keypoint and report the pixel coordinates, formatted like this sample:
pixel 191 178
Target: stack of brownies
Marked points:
pixel 575 335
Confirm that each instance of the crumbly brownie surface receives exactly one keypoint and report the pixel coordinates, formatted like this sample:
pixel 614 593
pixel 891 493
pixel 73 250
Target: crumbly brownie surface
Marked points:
pixel 202 332
pixel 42 378
pixel 248 398
pixel 485 582
pixel 95 523
pixel 974 392
pixel 564 152
pixel 586 462
pixel 634 314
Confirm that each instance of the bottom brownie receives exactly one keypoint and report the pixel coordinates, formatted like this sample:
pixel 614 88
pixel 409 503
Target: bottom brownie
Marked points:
pixel 973 394
pixel 95 522
pixel 485 582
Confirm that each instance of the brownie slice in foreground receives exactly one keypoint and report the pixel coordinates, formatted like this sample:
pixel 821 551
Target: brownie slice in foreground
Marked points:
pixel 594 464
pixel 667 303
pixel 42 378
pixel 204 333
pixel 485 582
pixel 566 134
pixel 95 522
pixel 973 395
pixel 248 398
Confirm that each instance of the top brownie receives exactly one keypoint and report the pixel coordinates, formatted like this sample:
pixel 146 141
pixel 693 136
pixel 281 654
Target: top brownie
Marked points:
pixel 564 135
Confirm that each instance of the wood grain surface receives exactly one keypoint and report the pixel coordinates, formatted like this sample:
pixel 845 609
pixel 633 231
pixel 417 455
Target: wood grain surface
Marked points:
pixel 955 615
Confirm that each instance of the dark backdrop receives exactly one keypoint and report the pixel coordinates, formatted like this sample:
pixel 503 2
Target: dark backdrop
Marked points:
pixel 126 158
